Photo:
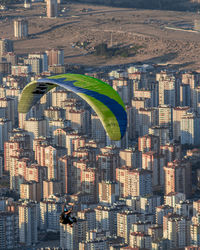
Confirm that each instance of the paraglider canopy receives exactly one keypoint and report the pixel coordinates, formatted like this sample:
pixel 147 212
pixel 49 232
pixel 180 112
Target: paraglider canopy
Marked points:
pixel 105 101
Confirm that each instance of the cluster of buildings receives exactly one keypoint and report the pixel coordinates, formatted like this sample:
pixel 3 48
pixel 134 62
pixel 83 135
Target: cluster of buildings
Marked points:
pixel 141 192
pixel 52 60
pixel 21 25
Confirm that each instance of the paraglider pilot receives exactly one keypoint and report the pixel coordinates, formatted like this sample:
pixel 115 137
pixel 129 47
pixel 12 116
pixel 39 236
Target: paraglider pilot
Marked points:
pixel 65 217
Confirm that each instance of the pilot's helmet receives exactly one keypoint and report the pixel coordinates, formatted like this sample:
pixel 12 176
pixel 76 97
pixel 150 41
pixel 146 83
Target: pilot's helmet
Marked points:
pixel 66 209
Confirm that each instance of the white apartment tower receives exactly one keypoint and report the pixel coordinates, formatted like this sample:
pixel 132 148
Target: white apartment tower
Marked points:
pixel 21 28
pixel 28 223
pixel 71 236
pixel 44 59
pixel 125 220
pixel 176 229
pixel 190 129
pixel 167 89
pixel 50 211
pixel 195 234
pixel 52 8
pixel 36 128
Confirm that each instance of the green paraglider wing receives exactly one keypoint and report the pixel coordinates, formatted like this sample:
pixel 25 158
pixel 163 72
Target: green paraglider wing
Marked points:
pixel 105 101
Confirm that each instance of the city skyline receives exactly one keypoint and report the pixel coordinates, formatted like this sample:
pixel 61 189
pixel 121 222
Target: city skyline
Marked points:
pixel 140 192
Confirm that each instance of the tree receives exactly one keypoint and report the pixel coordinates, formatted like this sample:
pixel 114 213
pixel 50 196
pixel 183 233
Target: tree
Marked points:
pixel 101 49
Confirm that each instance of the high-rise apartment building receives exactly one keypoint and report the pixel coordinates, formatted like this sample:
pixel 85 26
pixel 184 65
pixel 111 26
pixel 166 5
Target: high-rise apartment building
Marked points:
pixel 174 198
pixel 51 187
pixel 9 230
pixel 80 120
pixel 52 8
pixel 185 95
pixel 5 68
pixel 106 219
pixel 90 216
pixel 58 98
pixel 31 191
pixel 191 79
pixel 11 106
pixel 149 143
pixel 149 203
pixel 28 221
pixel 155 232
pixel 140 240
pixel 21 28
pixel 162 211
pixel 5 127
pixel 167 89
pixel 57 69
pixel 184 208
pixel 18 167
pixel 50 211
pixel 196 207
pixel 35 63
pixel 51 157
pixel 155 163
pixel 162 132
pixel 27 4
pixel 35 128
pixel 65 164
pixel 107 164
pixel 36 173
pixel 125 219
pixel 22 171
pixel 54 113
pixel 178 114
pixel 108 192
pixel 98 131
pixel 124 87
pixel 78 171
pixel 195 234
pixel 89 183
pixel 44 60
pixel 190 129
pixel 165 115
pixel 55 56
pixel 56 124
pixel 100 243
pixel 11 57
pixel 178 177
pixel 21 70
pixel 71 236
pixel 48 156
pixel 177 230
pixel 130 122
pixel 129 157
pixel 68 139
pixel 141 226
pixel 136 182
pixel 148 94
pixel 171 152
pixel 1 166
pixel 6 45
pixel 146 118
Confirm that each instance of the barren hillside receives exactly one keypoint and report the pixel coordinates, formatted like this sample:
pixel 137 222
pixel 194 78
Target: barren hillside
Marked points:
pixel 165 36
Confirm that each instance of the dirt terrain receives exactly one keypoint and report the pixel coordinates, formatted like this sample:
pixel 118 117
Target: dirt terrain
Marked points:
pixel 165 36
